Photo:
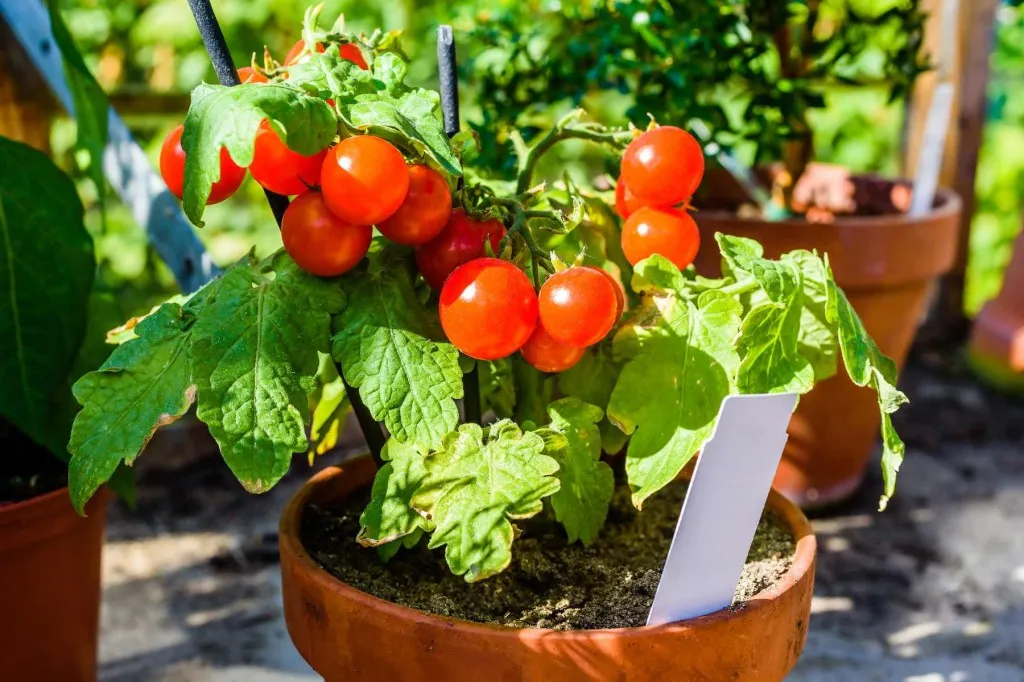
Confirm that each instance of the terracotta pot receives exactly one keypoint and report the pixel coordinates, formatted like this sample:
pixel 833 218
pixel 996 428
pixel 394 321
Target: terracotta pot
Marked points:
pixel 997 337
pixel 888 266
pixel 50 588
pixel 348 635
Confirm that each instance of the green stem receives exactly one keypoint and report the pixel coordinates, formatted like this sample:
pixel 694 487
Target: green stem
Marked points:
pixel 739 288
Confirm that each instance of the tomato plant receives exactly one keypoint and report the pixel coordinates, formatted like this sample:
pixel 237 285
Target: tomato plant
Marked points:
pixel 348 51
pixel 469 270
pixel 318 240
pixel 668 232
pixel 625 201
pixel 424 211
pixel 461 240
pixel 488 308
pixel 172 168
pixel 365 179
pixel 248 74
pixel 578 306
pixel 281 170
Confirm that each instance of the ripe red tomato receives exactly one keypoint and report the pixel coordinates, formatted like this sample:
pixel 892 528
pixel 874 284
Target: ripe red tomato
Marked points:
pixel 549 355
pixel 172 167
pixel 364 179
pixel 347 51
pixel 578 305
pixel 669 232
pixel 663 167
pixel 620 295
pixel 461 240
pixel 320 242
pixel 625 202
pixel 425 211
pixel 488 308
pixel 247 74
pixel 279 169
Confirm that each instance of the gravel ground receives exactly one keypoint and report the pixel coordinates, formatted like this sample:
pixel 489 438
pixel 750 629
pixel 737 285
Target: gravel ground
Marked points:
pixel 930 591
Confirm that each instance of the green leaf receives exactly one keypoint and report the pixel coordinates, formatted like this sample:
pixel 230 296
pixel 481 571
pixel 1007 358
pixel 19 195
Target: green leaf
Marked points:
pixel 144 384
pixel 388 551
pixel 91 105
pixel 411 119
pixel 389 347
pixel 329 414
pixel 254 360
pixel 330 75
pixel 46 274
pixel 818 342
pixel 389 516
pixel 475 486
pixel 497 389
pixel 592 380
pixel 867 366
pixel 587 483
pixel 743 255
pixel 682 353
pixel 229 117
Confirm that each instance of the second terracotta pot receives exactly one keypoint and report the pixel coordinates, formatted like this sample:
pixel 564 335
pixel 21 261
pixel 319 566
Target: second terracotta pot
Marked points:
pixel 888 266
pixel 50 588
pixel 350 636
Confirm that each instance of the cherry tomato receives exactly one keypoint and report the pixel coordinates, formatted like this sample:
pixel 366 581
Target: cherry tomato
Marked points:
pixel 364 179
pixel 549 355
pixel 578 306
pixel 663 167
pixel 488 308
pixel 669 232
pixel 279 169
pixel 247 74
pixel 625 202
pixel 461 240
pixel 172 167
pixel 320 242
pixel 347 51
pixel 620 295
pixel 425 211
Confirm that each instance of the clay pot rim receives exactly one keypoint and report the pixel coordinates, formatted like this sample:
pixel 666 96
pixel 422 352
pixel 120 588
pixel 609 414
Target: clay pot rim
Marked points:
pixel 290 543
pixel 948 203
pixel 42 499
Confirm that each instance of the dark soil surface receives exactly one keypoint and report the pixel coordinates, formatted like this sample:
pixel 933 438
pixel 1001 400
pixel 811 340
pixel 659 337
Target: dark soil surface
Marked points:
pixel 27 470
pixel 550 584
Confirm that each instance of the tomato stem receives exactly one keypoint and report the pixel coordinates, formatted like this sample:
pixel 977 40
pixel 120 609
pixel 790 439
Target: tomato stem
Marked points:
pixel 738 288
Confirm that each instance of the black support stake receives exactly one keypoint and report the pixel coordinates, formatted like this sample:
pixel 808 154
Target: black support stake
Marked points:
pixel 449 81
pixel 217 48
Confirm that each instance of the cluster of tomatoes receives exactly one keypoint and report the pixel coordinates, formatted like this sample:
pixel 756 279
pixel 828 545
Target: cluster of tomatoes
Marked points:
pixel 488 307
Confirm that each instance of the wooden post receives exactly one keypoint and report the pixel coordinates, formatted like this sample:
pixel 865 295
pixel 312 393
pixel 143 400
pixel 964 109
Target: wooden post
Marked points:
pixel 26 106
pixel 969 70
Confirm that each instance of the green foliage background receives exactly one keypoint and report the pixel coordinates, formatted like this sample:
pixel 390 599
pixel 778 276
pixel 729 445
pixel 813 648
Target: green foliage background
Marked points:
pixel 148 54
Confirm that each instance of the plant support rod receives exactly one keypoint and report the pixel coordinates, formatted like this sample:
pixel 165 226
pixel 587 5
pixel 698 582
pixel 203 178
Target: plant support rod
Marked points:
pixel 217 48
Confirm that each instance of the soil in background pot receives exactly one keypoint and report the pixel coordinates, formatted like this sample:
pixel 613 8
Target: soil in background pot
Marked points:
pixel 549 584
pixel 27 469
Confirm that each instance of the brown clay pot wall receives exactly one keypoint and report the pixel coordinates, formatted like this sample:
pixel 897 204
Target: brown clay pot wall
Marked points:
pixel 888 267
pixel 50 589
pixel 350 636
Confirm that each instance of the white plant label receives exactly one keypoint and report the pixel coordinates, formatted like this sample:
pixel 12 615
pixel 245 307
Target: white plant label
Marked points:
pixel 724 502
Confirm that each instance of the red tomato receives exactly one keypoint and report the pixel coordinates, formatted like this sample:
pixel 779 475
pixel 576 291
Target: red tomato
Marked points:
pixel 578 305
pixel 247 74
pixel 347 51
pixel 320 242
pixel 488 308
pixel 364 179
pixel 625 202
pixel 172 167
pixel 663 167
pixel 425 211
pixel 620 295
pixel 549 355
pixel 461 240
pixel 669 232
pixel 279 169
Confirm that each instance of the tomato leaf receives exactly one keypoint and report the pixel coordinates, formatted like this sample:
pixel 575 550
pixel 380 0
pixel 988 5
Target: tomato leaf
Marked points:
pixel 229 117
pixel 43 313
pixel 587 483
pixel 867 366
pixel 476 484
pixel 390 347
pixel 818 342
pixel 497 388
pixel 389 515
pixel 684 354
pixel 331 408
pixel 331 76
pixel 144 384
pixel 592 380
pixel 254 360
